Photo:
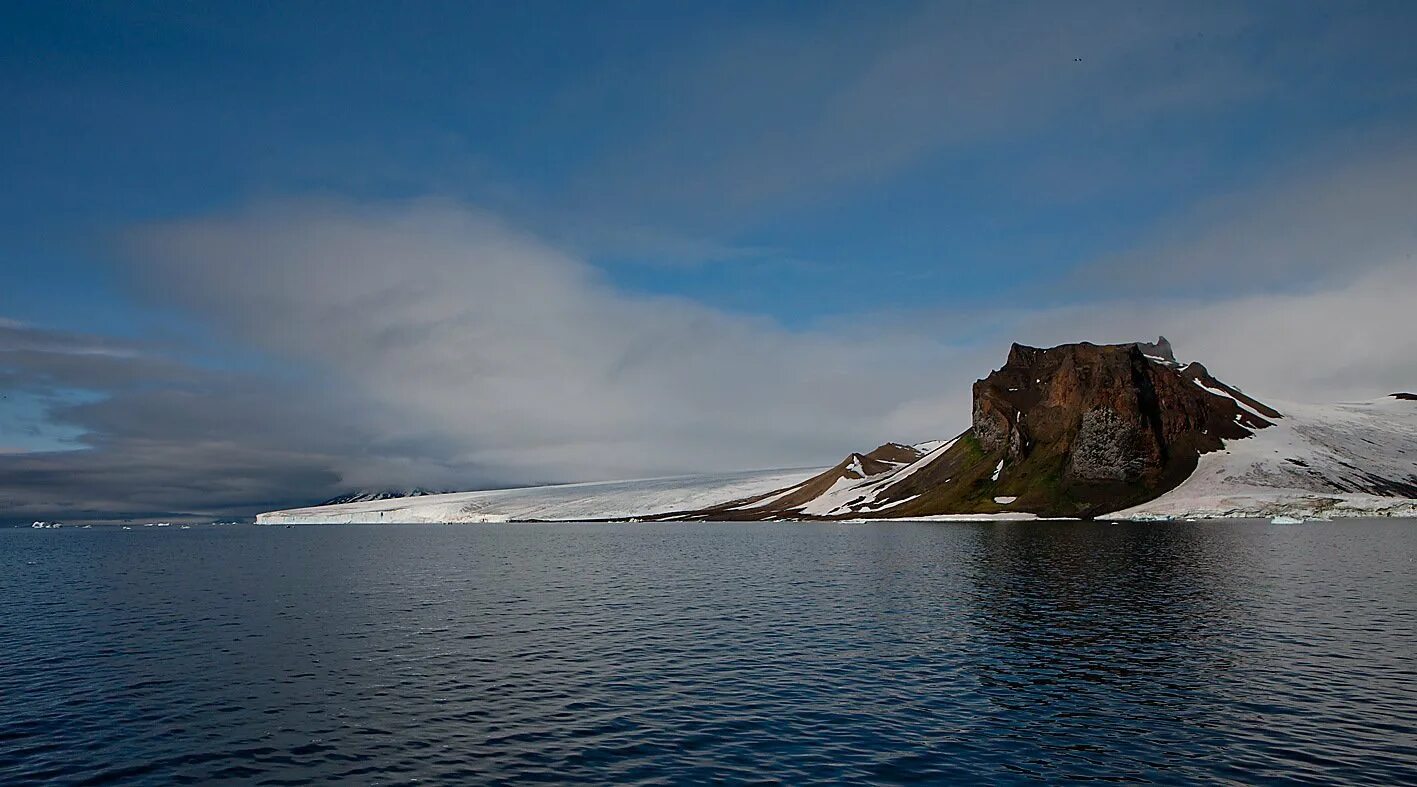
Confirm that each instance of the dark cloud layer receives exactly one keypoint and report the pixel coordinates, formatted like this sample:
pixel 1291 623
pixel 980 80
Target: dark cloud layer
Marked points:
pixel 159 437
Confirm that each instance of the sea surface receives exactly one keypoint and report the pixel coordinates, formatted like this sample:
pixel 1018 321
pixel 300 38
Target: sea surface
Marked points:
pixel 886 653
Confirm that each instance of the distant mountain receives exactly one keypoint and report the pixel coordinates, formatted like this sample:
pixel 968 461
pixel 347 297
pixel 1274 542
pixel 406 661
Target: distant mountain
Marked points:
pixel 368 495
pixel 1077 430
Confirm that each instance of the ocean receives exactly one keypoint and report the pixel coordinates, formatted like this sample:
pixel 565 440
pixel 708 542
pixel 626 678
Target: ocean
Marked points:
pixel 689 653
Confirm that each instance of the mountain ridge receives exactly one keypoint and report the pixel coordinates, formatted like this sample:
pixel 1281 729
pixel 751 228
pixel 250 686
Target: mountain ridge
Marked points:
pixel 1078 430
pixel 370 495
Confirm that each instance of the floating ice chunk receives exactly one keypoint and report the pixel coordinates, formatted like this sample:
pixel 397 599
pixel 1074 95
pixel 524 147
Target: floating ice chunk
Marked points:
pixel 1003 501
pixel 1286 520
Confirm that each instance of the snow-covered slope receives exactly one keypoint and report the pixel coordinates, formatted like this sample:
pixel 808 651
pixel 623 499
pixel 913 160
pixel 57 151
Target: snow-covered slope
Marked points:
pixel 1078 430
pixel 1352 459
pixel 856 489
pixel 565 502
pixel 370 495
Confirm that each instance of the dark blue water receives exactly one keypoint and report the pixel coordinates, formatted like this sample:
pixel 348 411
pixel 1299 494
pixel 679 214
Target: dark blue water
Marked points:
pixel 686 653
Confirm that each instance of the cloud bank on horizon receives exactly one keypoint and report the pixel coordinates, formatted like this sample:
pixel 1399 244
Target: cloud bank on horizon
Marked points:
pixel 791 238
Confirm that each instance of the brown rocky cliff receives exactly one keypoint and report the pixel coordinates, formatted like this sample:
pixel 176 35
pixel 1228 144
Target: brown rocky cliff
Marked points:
pixel 1109 410
pixel 1077 430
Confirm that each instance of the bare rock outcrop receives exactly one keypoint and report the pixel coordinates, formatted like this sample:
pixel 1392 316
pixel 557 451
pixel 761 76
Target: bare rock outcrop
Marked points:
pixel 1073 430
pixel 1110 421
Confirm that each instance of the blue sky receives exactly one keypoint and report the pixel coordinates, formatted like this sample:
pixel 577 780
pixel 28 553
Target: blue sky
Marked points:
pixel 944 177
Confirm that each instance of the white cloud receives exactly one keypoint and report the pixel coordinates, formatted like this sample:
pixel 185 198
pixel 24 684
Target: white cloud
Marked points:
pixel 455 336
pixel 448 326
pixel 1332 215
pixel 434 345
pixel 1353 341
pixel 1298 286
pixel 777 115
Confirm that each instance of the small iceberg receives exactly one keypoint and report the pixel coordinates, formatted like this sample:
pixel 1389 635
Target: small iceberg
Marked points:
pixel 1285 520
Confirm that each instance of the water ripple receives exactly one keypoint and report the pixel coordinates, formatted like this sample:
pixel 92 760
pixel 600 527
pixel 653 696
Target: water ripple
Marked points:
pixel 688 653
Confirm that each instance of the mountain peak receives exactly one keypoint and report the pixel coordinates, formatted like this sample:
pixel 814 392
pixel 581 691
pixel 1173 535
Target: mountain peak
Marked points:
pixel 1102 423
pixel 1158 350
pixel 1073 430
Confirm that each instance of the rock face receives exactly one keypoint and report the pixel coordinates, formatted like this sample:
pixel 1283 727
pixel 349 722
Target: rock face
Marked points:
pixel 1161 350
pixel 1107 421
pixel 1074 430
pixel 1116 414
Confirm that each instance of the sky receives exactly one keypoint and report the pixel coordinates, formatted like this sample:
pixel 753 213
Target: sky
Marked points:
pixel 256 254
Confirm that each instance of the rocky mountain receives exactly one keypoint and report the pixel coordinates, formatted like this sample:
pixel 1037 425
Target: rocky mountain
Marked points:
pixel 1078 430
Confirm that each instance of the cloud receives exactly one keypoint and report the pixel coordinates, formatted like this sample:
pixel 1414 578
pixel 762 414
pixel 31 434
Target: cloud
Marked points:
pixel 1296 286
pixel 1329 216
pixel 448 325
pixel 1354 341
pixel 734 136
pixel 149 435
pixel 429 343
pixel 754 120
pixel 34 359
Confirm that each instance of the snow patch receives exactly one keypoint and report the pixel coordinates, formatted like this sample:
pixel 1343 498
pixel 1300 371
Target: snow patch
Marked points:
pixel 617 500
pixel 1226 394
pixel 1317 461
